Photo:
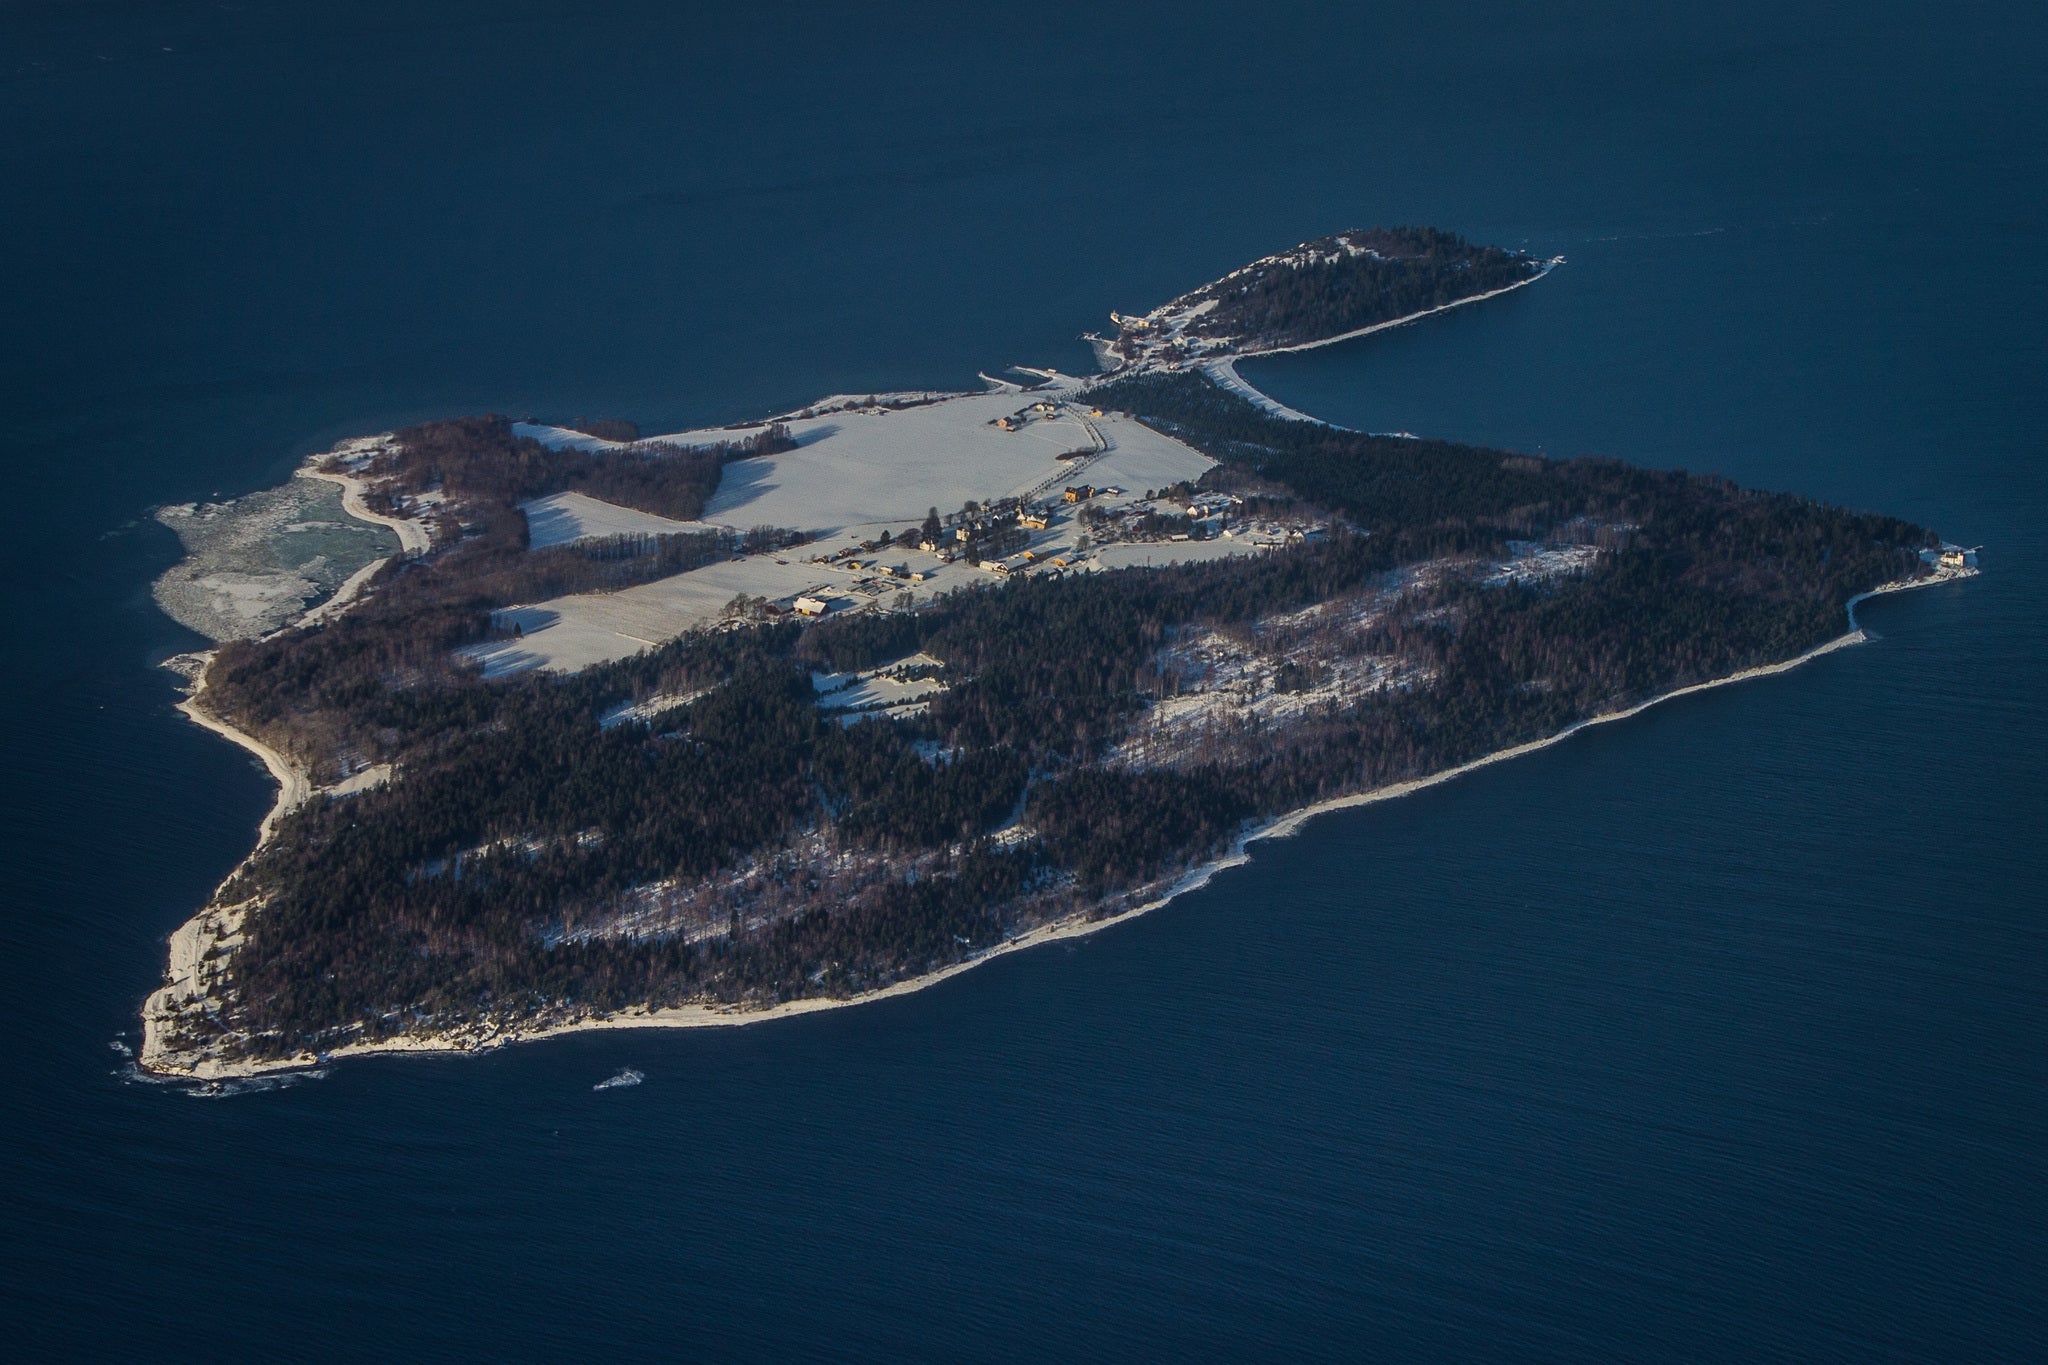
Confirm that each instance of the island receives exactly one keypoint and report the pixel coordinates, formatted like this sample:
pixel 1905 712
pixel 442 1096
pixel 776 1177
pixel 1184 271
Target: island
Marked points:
pixel 575 728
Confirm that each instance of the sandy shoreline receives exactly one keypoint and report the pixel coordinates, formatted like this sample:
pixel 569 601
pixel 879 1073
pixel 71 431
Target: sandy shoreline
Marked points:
pixel 293 786
pixel 192 939
pixel 187 967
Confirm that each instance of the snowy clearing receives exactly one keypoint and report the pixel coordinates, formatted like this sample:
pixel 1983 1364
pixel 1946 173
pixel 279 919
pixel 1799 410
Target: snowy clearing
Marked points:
pixel 1158 554
pixel 564 518
pixel 1229 688
pixel 644 712
pixel 1531 563
pixel 369 779
pixel 876 466
pixel 893 689
pixel 561 438
pixel 859 471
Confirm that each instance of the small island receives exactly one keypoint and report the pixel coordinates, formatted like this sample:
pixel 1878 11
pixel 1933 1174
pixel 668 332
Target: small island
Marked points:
pixel 576 728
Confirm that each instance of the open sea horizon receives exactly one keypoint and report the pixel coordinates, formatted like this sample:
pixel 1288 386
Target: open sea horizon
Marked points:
pixel 1714 1034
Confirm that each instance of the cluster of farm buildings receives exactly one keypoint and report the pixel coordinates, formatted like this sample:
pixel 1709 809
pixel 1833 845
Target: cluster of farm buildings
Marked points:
pixel 1059 532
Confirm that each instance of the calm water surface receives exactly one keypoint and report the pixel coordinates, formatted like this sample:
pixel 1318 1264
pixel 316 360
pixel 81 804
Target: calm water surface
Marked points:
pixel 1718 1034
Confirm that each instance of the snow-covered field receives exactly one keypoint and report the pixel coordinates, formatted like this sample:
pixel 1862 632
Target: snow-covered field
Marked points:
pixel 562 518
pixel 878 466
pixel 565 634
pixel 1157 554
pixel 648 711
pixel 562 438
pixel 369 779
pixel 858 471
pixel 896 689
pixel 1531 563
pixel 870 693
pixel 887 466
pixel 568 633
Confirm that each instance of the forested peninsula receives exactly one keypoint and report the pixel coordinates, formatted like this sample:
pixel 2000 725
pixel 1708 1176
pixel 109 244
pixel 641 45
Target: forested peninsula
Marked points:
pixel 1028 716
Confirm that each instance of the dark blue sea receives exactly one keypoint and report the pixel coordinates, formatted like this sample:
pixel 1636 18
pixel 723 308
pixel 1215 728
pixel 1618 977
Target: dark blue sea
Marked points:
pixel 1721 1034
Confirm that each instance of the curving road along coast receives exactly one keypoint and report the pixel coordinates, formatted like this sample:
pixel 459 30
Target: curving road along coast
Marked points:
pixel 412 536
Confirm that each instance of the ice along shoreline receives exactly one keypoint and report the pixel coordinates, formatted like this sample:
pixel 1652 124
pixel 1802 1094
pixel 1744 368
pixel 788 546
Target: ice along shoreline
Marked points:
pixel 193 945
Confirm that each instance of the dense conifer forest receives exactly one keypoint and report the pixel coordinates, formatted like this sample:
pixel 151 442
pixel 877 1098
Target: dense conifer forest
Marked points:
pixel 1347 281
pixel 541 857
